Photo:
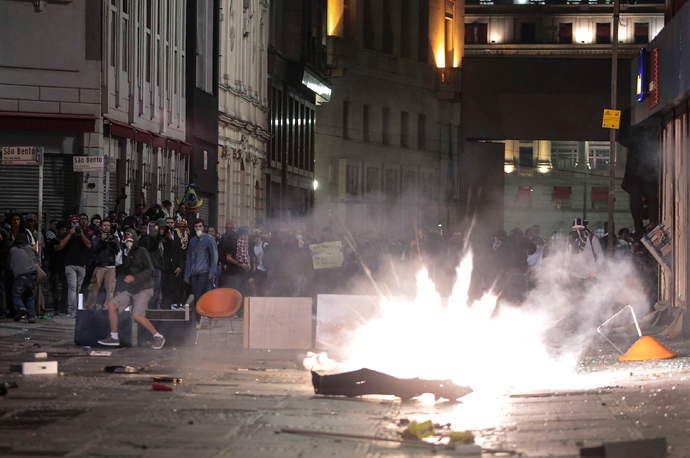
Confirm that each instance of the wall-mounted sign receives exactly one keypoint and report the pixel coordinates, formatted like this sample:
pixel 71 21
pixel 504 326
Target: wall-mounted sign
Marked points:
pixel 19 155
pixel 653 99
pixel 88 163
pixel 641 80
pixel 612 119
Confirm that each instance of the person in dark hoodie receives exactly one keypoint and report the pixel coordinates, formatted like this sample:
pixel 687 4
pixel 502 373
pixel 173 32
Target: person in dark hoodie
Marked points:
pixel 166 256
pixel 136 291
pixel 23 261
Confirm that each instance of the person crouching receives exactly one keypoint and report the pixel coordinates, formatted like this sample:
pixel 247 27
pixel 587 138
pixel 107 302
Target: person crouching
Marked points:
pixel 136 290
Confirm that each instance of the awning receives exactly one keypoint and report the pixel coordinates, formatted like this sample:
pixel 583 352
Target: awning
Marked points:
pixel 144 136
pixel 185 148
pixel 174 145
pixel 120 129
pixel 561 192
pixel 159 141
pixel 600 194
pixel 47 121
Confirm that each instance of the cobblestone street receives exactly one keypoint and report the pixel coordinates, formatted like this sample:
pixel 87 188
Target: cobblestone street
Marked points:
pixel 235 402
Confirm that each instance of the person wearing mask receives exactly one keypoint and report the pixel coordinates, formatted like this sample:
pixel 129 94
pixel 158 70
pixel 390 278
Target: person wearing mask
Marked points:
pixel 584 256
pixel 76 246
pixel 202 257
pixel 135 292
pixel 105 248
pixel 234 260
pixel 24 260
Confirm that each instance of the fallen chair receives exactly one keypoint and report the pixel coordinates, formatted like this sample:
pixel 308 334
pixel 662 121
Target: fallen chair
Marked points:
pixel 215 304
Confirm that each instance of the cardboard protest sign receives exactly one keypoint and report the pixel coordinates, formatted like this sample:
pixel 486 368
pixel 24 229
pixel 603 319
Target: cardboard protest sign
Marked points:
pixel 327 255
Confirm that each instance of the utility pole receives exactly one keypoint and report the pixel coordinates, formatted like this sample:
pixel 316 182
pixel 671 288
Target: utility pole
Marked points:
pixel 612 132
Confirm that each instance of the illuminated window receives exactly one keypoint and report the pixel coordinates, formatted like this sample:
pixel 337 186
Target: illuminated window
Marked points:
pixel 599 155
pixel 561 196
pixel 600 199
pixel 482 33
pixel 563 155
pixel 641 33
pixel 526 156
pixel 603 33
pixel 476 33
pixel 469 34
pixel 565 33
pixel 524 197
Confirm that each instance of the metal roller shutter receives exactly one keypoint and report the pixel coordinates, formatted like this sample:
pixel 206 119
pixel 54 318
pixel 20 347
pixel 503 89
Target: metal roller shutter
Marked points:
pixel 60 187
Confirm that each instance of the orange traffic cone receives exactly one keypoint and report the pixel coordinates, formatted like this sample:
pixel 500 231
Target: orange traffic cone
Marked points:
pixel 646 348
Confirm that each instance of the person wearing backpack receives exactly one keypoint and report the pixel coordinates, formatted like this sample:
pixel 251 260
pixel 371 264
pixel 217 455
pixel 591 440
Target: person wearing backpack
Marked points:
pixel 202 257
pixel 23 260
pixel 584 256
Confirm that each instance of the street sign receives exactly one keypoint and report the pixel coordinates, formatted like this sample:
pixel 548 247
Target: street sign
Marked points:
pixel 612 119
pixel 20 155
pixel 88 163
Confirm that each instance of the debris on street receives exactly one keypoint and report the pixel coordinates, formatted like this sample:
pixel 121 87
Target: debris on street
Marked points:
pixel 160 387
pixel 123 369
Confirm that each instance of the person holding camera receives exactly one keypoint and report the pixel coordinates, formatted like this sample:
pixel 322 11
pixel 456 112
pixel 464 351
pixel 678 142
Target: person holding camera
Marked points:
pixel 76 246
pixel 106 248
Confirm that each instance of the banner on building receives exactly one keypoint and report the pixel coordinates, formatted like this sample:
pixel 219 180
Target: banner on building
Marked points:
pixel 327 255
pixel 659 242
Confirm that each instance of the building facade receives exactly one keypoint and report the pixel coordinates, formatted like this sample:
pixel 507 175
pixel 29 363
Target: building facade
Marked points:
pixel 556 153
pixel 387 142
pixel 660 107
pixel 243 112
pixel 110 78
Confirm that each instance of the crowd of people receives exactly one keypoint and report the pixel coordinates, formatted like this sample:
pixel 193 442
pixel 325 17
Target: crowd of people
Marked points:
pixel 156 257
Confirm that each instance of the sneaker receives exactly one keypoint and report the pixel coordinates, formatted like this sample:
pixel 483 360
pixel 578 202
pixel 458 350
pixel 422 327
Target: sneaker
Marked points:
pixel 110 342
pixel 32 320
pixel 19 315
pixel 158 342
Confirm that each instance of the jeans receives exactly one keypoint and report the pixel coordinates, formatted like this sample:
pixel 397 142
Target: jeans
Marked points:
pixel 100 275
pixel 169 289
pixel 199 287
pixel 56 282
pixel 75 278
pixel 155 302
pixel 23 294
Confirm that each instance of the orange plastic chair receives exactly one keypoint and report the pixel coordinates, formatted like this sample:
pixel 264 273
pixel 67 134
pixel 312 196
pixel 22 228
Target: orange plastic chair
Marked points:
pixel 218 303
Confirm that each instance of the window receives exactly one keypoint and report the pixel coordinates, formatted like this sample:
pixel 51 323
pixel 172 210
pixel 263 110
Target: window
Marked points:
pixel 524 197
pixel 346 119
pixel 391 183
pixel 405 35
pixel 469 34
pixel 599 155
pixel 352 180
pixel 603 36
pixel 404 129
pixel 372 180
pixel 348 17
pixel 641 33
pixel 204 45
pixel 423 45
pixel 565 33
pixel 528 32
pixel 421 132
pixel 563 155
pixel 526 156
pixel 365 123
pixel 369 28
pixel 410 184
pixel 482 33
pixel 600 199
pixel 561 197
pixel 387 18
pixel 385 130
